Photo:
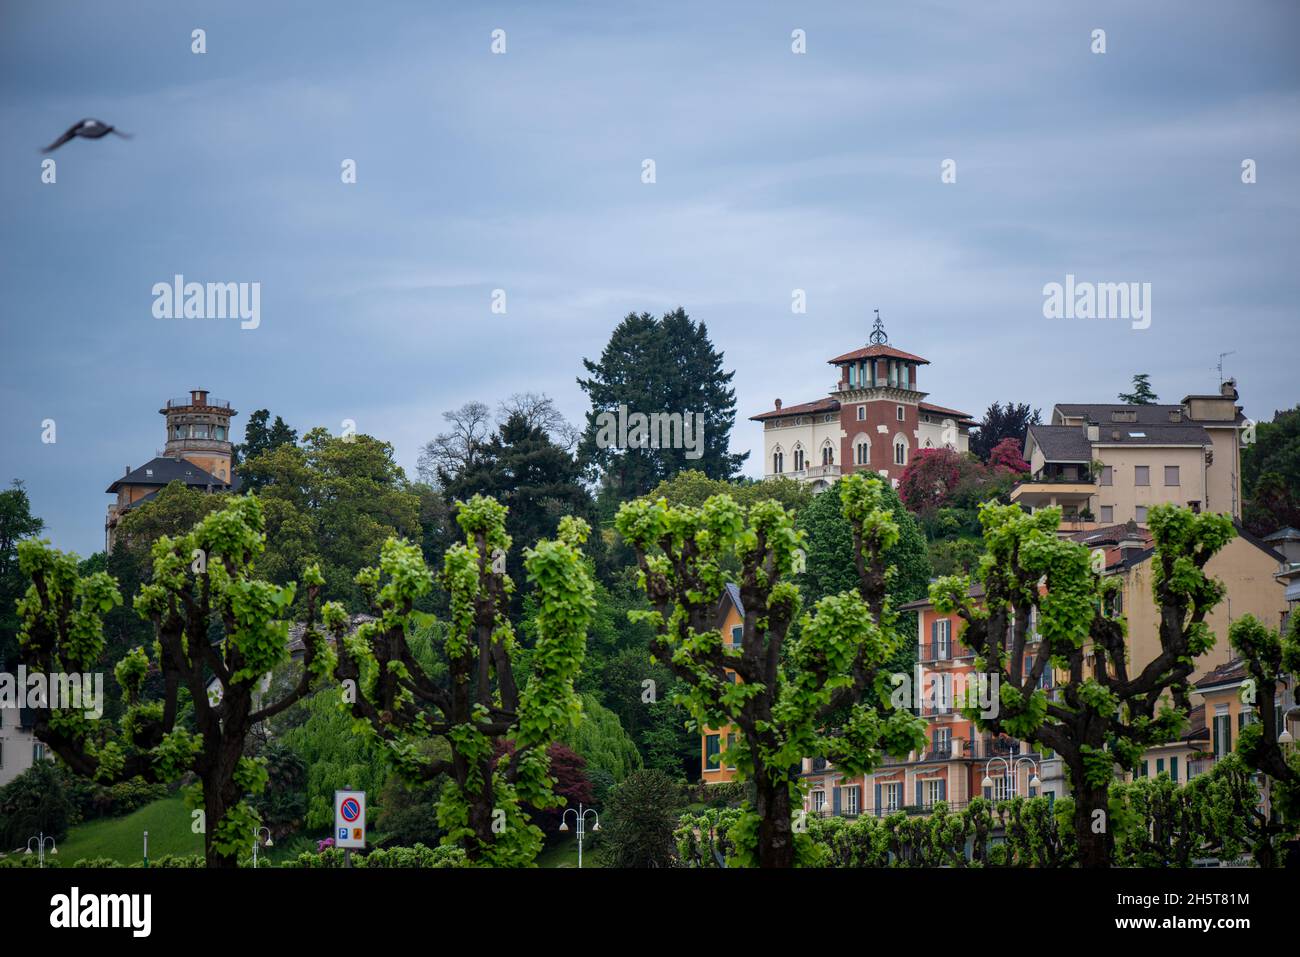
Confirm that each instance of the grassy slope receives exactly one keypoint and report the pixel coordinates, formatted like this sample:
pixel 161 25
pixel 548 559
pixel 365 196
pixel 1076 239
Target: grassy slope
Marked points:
pixel 121 838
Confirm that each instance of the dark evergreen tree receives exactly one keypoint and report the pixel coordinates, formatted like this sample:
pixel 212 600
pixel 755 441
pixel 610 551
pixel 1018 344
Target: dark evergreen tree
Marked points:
pixel 651 366
pixel 260 438
pixel 16 523
pixel 1010 421
pixel 539 482
pixel 1141 394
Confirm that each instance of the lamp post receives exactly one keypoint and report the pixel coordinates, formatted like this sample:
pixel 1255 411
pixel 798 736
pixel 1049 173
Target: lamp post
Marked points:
pixel 1012 771
pixel 580 820
pixel 40 840
pixel 257 841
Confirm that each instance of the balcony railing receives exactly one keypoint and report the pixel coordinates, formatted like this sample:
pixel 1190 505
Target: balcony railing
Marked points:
pixel 943 651
pixel 186 401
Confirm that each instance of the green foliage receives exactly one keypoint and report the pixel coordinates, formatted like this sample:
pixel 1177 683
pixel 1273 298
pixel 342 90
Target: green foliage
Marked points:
pixel 1105 714
pixel 1142 393
pixel 665 365
pixel 418 856
pixel 35 802
pixel 800 690
pixel 487 784
pixel 639 822
pixel 600 739
pixel 330 501
pixel 201 581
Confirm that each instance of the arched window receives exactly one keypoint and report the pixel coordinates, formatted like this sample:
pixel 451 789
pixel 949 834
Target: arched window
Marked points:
pixel 798 458
pixel 900 449
pixel 778 461
pixel 861 450
pixel 828 454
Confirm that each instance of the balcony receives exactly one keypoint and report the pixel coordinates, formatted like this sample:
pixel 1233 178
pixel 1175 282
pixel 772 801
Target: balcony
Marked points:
pixel 1072 496
pixel 943 651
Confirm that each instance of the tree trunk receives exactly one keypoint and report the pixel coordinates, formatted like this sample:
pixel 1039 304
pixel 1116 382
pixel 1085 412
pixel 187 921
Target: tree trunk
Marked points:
pixel 1095 849
pixel 775 832
pixel 214 809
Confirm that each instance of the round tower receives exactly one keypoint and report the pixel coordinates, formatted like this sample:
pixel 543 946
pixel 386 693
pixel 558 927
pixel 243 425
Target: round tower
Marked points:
pixel 198 430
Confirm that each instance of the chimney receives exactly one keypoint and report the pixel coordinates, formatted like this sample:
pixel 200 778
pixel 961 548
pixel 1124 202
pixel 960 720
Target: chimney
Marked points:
pixel 1176 415
pixel 128 470
pixel 198 396
pixel 1094 433
pixel 1114 435
pixel 778 405
pixel 1229 388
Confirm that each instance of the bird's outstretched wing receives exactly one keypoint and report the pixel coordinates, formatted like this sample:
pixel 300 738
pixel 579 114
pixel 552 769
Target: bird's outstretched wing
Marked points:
pixel 72 131
pixel 116 132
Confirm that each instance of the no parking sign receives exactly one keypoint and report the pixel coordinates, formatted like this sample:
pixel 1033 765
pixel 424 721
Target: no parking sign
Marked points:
pixel 350 819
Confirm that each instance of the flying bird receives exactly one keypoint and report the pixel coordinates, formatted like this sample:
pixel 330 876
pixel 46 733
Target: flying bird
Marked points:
pixel 87 129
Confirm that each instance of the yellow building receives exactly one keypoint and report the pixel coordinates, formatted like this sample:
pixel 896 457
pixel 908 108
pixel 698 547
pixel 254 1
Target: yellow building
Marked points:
pixel 715 742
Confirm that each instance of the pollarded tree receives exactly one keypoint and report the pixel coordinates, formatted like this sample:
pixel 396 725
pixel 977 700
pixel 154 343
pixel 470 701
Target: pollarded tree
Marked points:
pixel 476 704
pixel 1101 715
pixel 1270 657
pixel 202 581
pixel 800 690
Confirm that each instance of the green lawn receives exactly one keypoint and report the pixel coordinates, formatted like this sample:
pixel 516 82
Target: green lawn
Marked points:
pixel 122 838
pixel 563 852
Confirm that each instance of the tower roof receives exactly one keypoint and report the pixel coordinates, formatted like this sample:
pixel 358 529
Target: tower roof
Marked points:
pixel 875 351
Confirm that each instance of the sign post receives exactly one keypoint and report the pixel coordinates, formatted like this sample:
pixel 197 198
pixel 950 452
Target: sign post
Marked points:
pixel 350 822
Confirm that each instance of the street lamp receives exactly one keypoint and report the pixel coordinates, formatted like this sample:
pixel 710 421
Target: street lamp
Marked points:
pixel 257 840
pixel 1285 736
pixel 1012 771
pixel 40 840
pixel 580 820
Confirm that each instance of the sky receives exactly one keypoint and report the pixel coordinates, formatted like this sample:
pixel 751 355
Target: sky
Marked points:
pixel 522 171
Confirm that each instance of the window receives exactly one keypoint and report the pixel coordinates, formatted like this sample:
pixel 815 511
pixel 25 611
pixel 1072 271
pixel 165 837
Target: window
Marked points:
pixel 1108 513
pixel 900 452
pixel 737 632
pixel 1141 514
pixel 863 453
pixel 1160 766
pixel 941 742
pixel 1141 475
pixel 818 801
pixel 941 638
pixel 1107 475
pixel 891 796
pixel 862 413
pixel 899 413
pixel 731 743
pixel 852 799
pixel 934 791
pixel 798 460
pixel 1171 474
pixel 1003 788
pixel 1222 731
pixel 1173 768
pixel 1144 770
pixel 778 461
pixel 828 455
pixel 712 745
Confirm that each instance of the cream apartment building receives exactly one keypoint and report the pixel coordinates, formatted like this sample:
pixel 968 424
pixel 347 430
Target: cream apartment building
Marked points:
pixel 1110 464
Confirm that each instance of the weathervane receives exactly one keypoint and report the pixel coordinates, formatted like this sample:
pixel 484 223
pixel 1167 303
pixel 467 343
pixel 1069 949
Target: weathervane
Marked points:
pixel 878 336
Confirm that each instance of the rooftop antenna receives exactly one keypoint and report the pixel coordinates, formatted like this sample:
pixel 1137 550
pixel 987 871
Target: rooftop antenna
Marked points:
pixel 878 336
pixel 1220 366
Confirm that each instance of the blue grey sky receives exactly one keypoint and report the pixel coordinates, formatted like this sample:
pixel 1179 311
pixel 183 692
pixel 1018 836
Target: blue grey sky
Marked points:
pixel 522 171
